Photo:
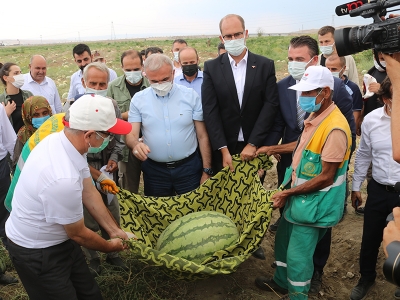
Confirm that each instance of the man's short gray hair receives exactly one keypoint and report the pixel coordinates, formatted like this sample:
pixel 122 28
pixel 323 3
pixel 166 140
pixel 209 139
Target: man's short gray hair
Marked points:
pixel 155 61
pixel 99 66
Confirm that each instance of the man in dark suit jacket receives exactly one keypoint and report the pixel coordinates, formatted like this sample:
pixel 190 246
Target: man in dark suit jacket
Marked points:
pixel 239 96
pixel 286 127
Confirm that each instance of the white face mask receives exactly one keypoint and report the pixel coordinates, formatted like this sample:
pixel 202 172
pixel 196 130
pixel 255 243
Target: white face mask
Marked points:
pixel 378 67
pixel 96 92
pixel 235 47
pixel 297 68
pixel 337 74
pixel 19 81
pixel 326 50
pixel 162 89
pixel 133 76
pixel 176 56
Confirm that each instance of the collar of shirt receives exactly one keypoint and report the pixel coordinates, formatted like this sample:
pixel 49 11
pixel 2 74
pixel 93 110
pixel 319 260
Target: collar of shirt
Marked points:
pixel 314 121
pixel 232 61
pixel 77 159
pixel 30 79
pixel 383 114
pixel 181 77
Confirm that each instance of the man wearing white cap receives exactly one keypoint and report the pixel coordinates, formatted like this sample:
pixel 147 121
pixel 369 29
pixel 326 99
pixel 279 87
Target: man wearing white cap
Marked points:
pixel 46 227
pixel 317 181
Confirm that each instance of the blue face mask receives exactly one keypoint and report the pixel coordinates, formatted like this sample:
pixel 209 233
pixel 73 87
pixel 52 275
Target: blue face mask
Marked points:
pixel 308 103
pixel 37 122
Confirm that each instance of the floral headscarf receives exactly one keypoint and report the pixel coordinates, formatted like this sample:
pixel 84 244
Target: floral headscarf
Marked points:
pixel 29 107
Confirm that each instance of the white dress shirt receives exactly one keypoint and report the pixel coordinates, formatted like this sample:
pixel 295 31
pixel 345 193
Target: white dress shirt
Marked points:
pixel 239 74
pixel 75 86
pixel 376 147
pixel 47 88
pixel 113 74
pixel 7 135
pixel 48 194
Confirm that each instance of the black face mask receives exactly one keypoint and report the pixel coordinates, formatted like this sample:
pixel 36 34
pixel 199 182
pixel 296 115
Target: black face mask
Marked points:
pixel 82 67
pixel 190 70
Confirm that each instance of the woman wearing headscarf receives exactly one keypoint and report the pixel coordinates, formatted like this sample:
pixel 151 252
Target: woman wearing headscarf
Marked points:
pixel 35 111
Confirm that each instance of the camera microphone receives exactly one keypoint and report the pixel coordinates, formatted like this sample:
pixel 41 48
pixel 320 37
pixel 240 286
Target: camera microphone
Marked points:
pixel 345 9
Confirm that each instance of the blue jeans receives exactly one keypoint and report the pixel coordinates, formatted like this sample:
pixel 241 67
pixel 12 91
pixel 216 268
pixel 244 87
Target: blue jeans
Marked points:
pixel 160 181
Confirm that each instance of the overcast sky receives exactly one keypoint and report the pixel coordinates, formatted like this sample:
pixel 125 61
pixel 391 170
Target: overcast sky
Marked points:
pixel 73 19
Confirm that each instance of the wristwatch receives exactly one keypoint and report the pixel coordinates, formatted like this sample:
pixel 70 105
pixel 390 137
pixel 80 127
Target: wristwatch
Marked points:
pixel 208 171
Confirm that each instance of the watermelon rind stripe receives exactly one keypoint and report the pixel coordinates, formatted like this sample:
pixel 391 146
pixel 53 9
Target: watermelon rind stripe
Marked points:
pixel 189 219
pixel 212 239
pixel 184 234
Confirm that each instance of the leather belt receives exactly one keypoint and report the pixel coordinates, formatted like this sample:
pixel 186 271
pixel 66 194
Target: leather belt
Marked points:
pixel 174 164
pixel 388 188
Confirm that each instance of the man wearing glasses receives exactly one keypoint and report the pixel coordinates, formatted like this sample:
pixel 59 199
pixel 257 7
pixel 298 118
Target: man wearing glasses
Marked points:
pixel 239 96
pixel 170 118
pixel 95 80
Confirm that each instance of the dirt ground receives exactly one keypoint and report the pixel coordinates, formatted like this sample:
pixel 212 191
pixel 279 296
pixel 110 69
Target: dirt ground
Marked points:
pixel 341 273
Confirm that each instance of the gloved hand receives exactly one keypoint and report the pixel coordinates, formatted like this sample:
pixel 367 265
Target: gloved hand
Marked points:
pixel 107 185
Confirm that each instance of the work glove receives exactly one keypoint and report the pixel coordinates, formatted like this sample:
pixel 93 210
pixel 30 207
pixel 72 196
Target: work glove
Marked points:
pixel 107 185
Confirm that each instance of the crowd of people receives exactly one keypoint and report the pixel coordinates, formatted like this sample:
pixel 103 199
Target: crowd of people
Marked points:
pixel 177 125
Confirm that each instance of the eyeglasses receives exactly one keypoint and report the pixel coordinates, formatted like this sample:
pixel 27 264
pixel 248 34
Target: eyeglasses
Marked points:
pixel 229 37
pixel 109 136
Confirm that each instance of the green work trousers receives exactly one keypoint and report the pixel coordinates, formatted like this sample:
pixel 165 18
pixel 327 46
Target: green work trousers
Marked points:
pixel 294 250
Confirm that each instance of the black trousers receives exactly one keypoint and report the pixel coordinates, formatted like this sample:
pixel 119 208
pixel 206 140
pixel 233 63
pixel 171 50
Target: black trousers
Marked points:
pixel 5 182
pixel 59 272
pixel 379 204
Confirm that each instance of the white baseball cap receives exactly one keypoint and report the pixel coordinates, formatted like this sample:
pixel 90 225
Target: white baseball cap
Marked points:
pixel 314 77
pixel 94 112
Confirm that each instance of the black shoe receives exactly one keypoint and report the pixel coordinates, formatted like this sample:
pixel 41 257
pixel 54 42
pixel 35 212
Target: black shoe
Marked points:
pixel 259 253
pixel 397 293
pixel 274 227
pixel 7 279
pixel 316 282
pixel 361 289
pixel 269 285
pixel 360 211
pixel 94 267
pixel 117 262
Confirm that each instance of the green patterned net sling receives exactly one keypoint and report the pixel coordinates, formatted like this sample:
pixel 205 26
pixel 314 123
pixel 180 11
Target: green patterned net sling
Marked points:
pixel 239 195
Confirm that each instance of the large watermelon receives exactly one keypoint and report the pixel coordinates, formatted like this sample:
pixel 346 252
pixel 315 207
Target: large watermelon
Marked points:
pixel 198 235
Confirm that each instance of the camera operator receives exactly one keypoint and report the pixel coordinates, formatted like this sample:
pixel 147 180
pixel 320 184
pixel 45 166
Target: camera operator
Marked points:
pixel 392 231
pixel 376 147
pixel 392 70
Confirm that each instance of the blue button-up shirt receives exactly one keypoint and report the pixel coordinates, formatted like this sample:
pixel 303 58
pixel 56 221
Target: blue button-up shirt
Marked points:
pixel 47 88
pixel 195 84
pixel 167 122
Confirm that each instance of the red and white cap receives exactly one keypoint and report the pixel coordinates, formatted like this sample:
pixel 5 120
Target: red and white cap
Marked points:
pixel 94 112
pixel 315 77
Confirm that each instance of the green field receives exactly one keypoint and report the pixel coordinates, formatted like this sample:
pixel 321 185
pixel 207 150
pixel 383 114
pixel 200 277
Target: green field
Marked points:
pixel 61 65
pixel 143 281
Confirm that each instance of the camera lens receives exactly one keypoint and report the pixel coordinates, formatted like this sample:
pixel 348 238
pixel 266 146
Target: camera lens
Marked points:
pixel 391 267
pixel 349 40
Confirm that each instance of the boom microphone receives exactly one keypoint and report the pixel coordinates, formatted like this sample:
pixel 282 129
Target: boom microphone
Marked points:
pixel 345 9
